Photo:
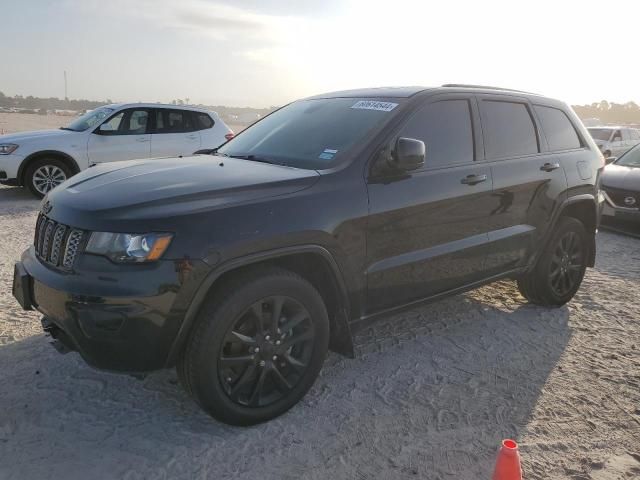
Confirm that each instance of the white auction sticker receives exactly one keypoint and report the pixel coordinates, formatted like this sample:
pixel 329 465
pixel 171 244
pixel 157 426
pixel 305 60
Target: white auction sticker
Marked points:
pixel 373 105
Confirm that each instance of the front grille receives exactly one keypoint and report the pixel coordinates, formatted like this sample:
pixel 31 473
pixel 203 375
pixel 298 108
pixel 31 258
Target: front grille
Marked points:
pixel 57 244
pixel 618 196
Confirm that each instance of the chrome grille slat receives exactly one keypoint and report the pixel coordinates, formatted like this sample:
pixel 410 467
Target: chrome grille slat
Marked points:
pixel 71 248
pixel 58 236
pixel 48 232
pixel 57 244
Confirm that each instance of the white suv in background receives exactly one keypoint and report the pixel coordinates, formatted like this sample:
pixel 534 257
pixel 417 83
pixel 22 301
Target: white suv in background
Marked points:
pixel 614 141
pixel 42 160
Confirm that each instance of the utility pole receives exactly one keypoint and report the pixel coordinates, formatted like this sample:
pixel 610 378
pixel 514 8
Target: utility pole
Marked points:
pixel 66 97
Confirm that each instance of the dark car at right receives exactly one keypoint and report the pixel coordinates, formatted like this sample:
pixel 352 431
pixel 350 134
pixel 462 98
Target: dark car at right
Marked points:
pixel 620 185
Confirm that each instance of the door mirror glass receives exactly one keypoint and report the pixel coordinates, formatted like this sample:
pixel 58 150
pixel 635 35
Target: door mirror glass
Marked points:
pixel 409 154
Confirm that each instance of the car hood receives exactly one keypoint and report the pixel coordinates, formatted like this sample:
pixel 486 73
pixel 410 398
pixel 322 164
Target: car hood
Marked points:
pixel 34 135
pixel 621 177
pixel 120 193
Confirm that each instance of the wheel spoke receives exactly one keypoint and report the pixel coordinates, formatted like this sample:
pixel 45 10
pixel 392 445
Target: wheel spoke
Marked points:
pixel 236 361
pixel 243 381
pixel 254 399
pixel 237 337
pixel 294 362
pixel 256 310
pixel 276 312
pixel 294 321
pixel 280 381
pixel 291 341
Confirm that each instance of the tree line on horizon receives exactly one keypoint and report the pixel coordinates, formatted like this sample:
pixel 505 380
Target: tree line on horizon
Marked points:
pixel 606 112
pixel 53 103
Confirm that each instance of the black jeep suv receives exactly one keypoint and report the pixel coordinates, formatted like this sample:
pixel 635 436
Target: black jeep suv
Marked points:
pixel 243 267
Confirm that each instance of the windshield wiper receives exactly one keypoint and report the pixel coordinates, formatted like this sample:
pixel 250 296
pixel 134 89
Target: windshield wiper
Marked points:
pixel 253 158
pixel 67 128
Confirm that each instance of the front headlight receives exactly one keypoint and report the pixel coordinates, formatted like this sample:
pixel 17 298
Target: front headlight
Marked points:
pixel 7 148
pixel 129 248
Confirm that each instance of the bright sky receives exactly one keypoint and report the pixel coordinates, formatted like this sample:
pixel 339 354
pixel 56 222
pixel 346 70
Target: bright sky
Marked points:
pixel 268 52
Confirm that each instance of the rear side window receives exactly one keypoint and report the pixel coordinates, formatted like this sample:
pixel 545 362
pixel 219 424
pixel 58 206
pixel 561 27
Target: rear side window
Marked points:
pixel 445 128
pixel 508 129
pixel 174 121
pixel 203 121
pixel 558 129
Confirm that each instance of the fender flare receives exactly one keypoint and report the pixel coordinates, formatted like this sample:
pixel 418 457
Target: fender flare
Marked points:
pixel 343 330
pixel 554 221
pixel 39 153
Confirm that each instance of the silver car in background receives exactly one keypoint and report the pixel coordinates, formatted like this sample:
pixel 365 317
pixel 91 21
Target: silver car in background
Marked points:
pixel 614 141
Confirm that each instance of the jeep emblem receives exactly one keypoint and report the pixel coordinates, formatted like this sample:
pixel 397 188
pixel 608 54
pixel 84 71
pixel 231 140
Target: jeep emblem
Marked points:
pixel 47 207
pixel 629 201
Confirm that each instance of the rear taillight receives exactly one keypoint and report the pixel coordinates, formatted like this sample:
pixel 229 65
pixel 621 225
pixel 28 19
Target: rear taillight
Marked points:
pixel 229 136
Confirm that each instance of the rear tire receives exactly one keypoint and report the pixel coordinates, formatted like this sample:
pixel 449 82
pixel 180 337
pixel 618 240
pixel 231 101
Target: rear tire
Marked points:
pixel 44 174
pixel 559 271
pixel 256 348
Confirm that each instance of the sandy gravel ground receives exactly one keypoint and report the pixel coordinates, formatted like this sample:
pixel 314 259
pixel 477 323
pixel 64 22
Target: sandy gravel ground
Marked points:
pixel 430 395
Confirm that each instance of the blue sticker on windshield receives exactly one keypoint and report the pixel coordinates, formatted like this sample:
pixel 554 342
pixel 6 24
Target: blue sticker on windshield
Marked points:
pixel 327 154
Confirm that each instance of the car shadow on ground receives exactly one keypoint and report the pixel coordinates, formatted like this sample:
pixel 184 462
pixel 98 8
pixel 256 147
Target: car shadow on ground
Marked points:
pixel 430 394
pixel 17 199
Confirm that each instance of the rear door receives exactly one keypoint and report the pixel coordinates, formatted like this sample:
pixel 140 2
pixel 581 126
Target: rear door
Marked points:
pixel 128 138
pixel 528 180
pixel 174 133
pixel 427 229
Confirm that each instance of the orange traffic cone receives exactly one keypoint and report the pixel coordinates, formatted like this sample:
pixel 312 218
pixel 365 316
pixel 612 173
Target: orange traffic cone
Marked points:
pixel 508 462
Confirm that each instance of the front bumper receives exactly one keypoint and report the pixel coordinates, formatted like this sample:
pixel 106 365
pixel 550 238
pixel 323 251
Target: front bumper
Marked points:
pixel 118 317
pixel 9 166
pixel 612 213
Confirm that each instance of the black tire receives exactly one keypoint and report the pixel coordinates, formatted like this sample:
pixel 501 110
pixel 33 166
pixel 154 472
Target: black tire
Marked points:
pixel 559 271
pixel 60 172
pixel 226 332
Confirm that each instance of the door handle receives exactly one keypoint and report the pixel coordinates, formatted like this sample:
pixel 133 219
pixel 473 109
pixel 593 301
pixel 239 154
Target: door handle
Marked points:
pixel 142 139
pixel 192 137
pixel 474 179
pixel 549 167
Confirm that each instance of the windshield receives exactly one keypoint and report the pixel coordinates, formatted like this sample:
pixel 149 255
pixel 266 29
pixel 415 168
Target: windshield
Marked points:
pixel 90 119
pixel 600 133
pixel 630 159
pixel 312 134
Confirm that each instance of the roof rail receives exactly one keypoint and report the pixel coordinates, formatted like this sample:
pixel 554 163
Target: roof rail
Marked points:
pixel 463 85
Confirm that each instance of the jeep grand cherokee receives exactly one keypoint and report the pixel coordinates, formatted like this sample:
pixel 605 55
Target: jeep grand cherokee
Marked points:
pixel 243 268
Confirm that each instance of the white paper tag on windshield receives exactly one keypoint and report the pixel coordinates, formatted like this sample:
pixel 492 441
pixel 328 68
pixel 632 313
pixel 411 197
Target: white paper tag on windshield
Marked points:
pixel 373 105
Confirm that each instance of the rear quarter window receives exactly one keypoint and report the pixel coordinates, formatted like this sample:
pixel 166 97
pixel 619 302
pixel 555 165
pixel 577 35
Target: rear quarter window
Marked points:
pixel 203 121
pixel 508 129
pixel 560 133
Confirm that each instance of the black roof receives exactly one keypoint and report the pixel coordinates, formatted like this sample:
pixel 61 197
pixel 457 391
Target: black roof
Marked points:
pixel 381 92
pixel 405 92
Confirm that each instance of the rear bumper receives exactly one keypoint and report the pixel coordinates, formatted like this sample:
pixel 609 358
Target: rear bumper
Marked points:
pixel 108 319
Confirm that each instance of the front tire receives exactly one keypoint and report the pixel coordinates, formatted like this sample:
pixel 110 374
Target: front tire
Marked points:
pixel 257 347
pixel 560 269
pixel 45 174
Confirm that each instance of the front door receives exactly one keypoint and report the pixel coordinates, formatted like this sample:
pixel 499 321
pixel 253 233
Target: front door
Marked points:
pixel 174 133
pixel 127 138
pixel 427 229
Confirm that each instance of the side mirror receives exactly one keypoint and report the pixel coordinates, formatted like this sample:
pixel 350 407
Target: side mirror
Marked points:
pixel 609 160
pixel 105 127
pixel 409 154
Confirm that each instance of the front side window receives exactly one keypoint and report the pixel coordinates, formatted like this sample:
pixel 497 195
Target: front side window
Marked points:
pixel 617 136
pixel 90 119
pixel 128 122
pixel 557 128
pixel 312 134
pixel 508 129
pixel 446 130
